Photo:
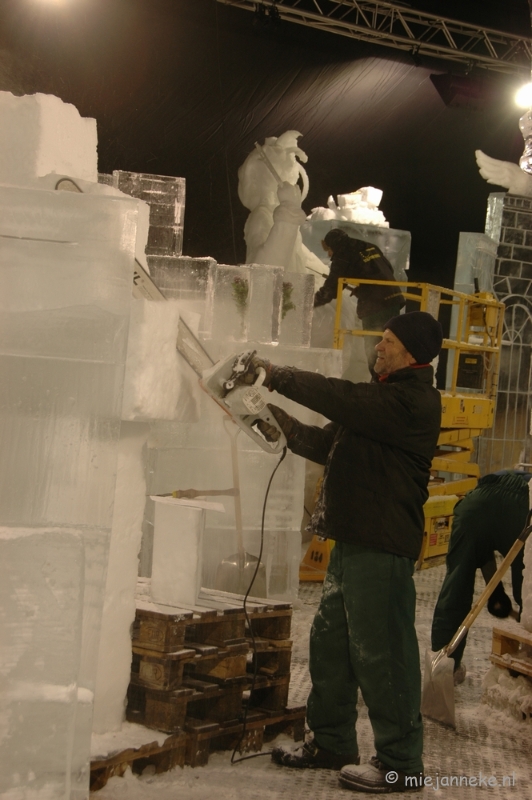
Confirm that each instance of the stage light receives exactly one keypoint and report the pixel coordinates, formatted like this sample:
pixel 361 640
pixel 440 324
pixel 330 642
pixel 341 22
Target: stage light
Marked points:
pixel 523 96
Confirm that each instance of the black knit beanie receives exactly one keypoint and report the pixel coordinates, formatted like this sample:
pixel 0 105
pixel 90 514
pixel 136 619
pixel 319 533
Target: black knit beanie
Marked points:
pixel 336 238
pixel 419 332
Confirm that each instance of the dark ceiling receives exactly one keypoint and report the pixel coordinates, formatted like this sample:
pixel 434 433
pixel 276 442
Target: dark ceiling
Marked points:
pixel 185 87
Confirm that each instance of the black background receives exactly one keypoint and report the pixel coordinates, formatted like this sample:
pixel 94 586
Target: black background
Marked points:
pixel 185 88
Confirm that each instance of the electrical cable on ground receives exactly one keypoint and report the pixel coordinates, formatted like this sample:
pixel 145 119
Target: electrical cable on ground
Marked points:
pixel 248 620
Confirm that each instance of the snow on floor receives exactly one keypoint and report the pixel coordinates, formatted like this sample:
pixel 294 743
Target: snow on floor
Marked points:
pixel 489 747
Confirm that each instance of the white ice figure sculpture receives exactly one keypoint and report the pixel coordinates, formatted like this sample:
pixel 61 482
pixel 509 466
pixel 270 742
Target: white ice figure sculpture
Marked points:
pixel 504 173
pixel 272 231
pixel 361 206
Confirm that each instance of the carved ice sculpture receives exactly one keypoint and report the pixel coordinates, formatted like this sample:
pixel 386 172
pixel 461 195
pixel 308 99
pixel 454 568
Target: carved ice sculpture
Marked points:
pixel 274 199
pixel 504 173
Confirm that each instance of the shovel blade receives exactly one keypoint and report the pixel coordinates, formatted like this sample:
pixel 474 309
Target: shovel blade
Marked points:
pixel 235 573
pixel 437 700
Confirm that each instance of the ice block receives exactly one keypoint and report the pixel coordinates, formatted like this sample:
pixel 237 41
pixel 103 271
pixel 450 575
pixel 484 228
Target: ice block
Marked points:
pixel 166 197
pixel 228 306
pixel 265 302
pixel 297 309
pixel 41 594
pixel 187 280
pixel 177 548
pixel 39 134
pixel 66 266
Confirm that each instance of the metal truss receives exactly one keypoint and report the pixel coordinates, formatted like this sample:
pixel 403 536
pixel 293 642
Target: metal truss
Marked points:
pixel 403 28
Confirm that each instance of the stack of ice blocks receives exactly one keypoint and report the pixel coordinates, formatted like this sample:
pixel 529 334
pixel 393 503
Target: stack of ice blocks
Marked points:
pixel 166 198
pixel 197 455
pixel 67 265
pixel 259 303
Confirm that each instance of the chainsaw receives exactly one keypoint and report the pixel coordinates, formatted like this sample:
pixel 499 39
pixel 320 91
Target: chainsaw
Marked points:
pixel 243 402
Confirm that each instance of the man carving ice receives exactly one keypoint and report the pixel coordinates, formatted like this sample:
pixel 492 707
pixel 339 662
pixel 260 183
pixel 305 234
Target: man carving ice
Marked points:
pixel 377 452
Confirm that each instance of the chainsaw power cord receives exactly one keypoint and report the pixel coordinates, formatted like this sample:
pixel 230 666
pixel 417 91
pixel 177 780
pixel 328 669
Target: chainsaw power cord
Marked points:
pixel 253 643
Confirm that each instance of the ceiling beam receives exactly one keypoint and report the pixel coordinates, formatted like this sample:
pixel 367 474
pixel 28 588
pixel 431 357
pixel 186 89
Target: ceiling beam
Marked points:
pixel 403 28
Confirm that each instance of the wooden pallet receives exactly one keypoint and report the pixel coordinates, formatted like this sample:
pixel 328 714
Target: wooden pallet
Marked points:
pixel 194 663
pixel 172 753
pixel 512 648
pixel 206 737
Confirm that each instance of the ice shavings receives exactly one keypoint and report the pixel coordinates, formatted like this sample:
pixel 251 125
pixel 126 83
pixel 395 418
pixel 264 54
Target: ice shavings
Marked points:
pixel 504 692
pixel 153 377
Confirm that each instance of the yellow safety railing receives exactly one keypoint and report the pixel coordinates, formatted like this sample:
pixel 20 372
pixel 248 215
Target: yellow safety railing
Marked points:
pixel 477 321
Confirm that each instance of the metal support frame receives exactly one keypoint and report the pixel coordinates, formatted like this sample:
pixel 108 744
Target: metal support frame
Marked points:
pixel 402 28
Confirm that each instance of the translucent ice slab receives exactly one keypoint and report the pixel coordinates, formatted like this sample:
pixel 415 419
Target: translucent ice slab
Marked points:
pixel 41 594
pixel 188 280
pixel 395 244
pixel 475 261
pixel 66 266
pixel 166 198
pixel 244 303
pixel 297 308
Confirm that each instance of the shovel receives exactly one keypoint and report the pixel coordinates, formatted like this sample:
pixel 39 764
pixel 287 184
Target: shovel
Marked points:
pixel 437 701
pixel 240 572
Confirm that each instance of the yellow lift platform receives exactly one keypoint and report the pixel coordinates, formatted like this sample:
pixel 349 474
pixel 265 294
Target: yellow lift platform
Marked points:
pixel 468 406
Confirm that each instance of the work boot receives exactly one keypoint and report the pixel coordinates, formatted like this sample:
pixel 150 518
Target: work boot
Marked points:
pixel 459 674
pixel 376 777
pixel 310 756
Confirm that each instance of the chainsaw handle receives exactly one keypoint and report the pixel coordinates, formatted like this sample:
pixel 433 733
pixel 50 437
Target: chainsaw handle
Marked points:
pixel 261 376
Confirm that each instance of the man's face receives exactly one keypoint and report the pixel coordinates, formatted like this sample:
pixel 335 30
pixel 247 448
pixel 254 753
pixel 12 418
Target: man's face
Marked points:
pixel 391 354
pixel 326 247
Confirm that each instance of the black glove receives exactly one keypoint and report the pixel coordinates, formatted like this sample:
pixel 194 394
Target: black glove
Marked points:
pixel 499 604
pixel 252 372
pixel 286 422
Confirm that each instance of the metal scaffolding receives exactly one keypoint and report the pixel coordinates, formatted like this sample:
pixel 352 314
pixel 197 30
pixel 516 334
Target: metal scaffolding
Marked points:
pixel 403 28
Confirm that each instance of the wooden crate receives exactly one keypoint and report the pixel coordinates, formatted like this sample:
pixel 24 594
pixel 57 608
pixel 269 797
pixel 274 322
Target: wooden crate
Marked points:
pixel 160 710
pixel 512 648
pixel 273 657
pixel 216 663
pixel 160 670
pixel 160 629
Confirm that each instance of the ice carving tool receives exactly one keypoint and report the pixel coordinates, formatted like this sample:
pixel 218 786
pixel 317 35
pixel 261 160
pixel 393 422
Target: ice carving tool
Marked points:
pixel 241 572
pixel 191 494
pixel 437 701
pixel 244 403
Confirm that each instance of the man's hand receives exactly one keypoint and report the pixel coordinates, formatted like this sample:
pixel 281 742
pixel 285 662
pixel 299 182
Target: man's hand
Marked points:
pixel 286 422
pixel 255 365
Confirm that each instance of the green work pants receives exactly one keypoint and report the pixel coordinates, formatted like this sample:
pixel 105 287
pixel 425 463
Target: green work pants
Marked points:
pixel 487 520
pixel 363 635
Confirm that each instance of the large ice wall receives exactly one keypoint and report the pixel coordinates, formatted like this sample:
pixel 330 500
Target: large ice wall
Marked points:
pixel 114 656
pixel 198 456
pixel 66 264
pixel 40 134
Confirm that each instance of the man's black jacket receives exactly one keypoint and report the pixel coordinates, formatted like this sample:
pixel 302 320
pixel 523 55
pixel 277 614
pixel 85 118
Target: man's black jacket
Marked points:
pixel 377 452
pixel 359 259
